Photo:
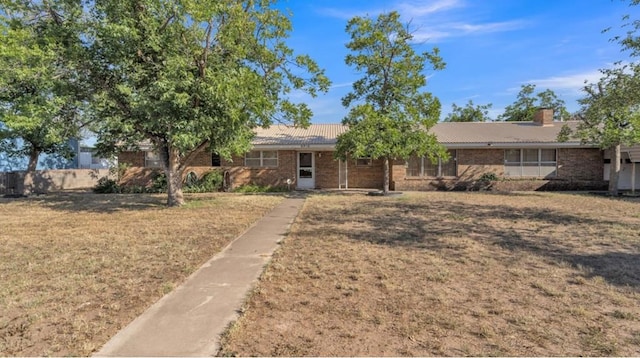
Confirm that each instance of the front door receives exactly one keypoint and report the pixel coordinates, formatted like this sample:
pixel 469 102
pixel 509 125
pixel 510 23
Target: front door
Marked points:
pixel 306 171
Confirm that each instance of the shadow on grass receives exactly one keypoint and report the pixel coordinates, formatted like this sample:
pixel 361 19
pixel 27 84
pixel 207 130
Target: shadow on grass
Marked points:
pixel 99 203
pixel 438 225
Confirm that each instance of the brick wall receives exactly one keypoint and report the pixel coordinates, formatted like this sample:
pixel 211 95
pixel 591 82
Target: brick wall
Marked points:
pixel 133 159
pixel 580 164
pixel 368 177
pixel 241 175
pixel 137 159
pixel 326 170
pixel 575 166
pixel 578 168
pixel 473 163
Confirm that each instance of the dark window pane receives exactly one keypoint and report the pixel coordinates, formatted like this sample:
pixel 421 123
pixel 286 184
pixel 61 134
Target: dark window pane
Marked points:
pixel 306 173
pixel 215 160
pixel 306 159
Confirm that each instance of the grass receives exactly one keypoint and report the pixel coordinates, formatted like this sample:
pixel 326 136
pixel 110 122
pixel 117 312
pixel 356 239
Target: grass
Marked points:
pixel 74 269
pixel 450 274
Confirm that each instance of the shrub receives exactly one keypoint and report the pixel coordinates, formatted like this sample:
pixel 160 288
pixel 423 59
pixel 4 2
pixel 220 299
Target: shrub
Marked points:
pixel 106 186
pixel 158 184
pixel 210 182
pixel 488 177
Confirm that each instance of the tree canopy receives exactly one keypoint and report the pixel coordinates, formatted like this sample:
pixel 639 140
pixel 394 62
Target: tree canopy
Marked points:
pixel 469 113
pixel 610 112
pixel 41 87
pixel 527 102
pixel 192 76
pixel 390 113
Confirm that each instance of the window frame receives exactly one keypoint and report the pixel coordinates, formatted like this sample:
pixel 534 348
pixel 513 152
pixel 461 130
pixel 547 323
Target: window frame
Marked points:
pixel 260 160
pixel 152 159
pixel 518 167
pixel 367 162
pixel 426 164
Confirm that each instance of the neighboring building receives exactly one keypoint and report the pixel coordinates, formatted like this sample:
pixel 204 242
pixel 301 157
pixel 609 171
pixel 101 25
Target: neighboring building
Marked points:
pixel 527 155
pixel 55 173
pixel 84 158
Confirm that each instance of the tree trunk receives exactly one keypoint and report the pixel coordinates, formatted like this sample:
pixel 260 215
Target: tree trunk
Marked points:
pixel 614 170
pixel 27 184
pixel 171 160
pixel 385 186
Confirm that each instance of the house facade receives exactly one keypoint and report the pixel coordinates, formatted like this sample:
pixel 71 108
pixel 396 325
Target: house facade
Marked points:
pixel 520 155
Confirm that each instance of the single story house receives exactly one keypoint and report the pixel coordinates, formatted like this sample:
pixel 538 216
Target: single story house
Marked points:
pixel 522 155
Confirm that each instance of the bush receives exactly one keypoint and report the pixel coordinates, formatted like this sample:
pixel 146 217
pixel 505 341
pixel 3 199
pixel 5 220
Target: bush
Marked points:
pixel 488 177
pixel 210 182
pixel 106 186
pixel 158 184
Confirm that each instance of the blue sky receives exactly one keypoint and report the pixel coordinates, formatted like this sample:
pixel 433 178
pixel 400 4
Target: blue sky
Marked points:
pixel 491 47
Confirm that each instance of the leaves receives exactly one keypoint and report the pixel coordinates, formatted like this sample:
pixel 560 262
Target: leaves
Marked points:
pixel 42 86
pixel 610 113
pixel 191 76
pixel 469 113
pixel 526 104
pixel 390 114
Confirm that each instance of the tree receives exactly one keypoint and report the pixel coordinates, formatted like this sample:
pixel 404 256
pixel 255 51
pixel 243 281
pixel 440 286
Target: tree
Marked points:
pixel 41 92
pixel 469 113
pixel 391 116
pixel 526 105
pixel 191 76
pixel 610 115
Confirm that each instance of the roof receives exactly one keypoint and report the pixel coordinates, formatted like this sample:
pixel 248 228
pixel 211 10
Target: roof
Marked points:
pixel 451 134
pixel 316 135
pixel 467 134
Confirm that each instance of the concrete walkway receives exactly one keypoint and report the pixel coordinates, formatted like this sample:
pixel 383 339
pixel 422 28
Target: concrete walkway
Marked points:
pixel 189 320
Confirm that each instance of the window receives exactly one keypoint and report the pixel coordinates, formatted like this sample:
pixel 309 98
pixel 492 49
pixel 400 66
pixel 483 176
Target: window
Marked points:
pixel 152 160
pixel 363 162
pixel 423 167
pixel 530 163
pixel 215 160
pixel 261 158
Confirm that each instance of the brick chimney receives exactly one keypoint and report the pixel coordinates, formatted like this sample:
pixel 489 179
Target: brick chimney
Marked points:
pixel 543 117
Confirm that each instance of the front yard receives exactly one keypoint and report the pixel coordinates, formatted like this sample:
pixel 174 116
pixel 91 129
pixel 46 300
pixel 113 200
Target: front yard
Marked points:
pixel 74 269
pixel 453 274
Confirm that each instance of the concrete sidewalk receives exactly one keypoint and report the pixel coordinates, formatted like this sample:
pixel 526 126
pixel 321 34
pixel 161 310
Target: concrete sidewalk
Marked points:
pixel 189 320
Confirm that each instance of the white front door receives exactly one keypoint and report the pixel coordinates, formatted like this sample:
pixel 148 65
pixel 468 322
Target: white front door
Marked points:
pixel 306 171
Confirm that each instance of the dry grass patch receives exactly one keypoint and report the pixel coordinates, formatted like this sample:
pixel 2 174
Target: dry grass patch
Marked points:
pixel 450 274
pixel 77 268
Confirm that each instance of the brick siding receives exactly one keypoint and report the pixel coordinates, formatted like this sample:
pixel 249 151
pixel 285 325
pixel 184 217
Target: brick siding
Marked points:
pixel 577 168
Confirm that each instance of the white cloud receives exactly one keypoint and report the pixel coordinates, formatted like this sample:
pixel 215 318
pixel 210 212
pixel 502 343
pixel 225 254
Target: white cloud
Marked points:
pixel 488 27
pixel 568 83
pixel 347 14
pixel 341 85
pixel 446 30
pixel 422 8
pixel 437 14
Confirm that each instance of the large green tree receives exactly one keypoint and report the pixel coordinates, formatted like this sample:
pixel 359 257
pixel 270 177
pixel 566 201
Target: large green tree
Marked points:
pixel 390 113
pixel 528 102
pixel 41 86
pixel 191 76
pixel 469 113
pixel 610 115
